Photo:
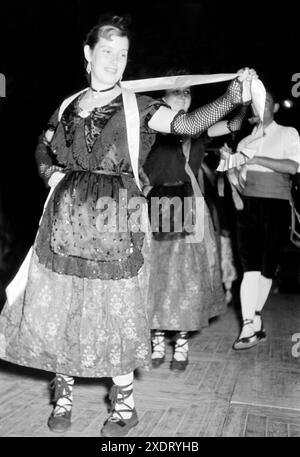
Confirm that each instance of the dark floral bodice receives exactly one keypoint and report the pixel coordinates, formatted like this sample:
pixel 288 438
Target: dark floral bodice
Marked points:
pixel 69 241
pixel 97 141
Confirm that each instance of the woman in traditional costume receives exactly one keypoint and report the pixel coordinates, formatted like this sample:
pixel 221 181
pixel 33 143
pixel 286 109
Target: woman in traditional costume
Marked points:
pixel 185 288
pixel 83 310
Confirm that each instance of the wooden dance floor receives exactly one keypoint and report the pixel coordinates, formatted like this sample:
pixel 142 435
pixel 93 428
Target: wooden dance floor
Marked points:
pixel 250 393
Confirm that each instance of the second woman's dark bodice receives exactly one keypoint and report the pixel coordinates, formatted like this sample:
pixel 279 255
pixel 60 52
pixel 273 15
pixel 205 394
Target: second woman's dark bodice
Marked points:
pixel 166 161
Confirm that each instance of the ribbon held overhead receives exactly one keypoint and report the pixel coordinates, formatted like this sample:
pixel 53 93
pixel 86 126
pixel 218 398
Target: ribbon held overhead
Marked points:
pixel 254 87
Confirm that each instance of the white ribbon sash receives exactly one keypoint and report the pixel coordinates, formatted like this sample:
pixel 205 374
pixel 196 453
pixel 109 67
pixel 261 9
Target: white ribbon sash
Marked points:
pixel 257 90
pixel 17 286
pixel 67 102
pixel 172 82
pixel 132 117
pixel 198 234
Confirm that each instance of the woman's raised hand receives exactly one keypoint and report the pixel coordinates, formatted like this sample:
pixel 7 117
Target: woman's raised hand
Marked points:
pixel 246 76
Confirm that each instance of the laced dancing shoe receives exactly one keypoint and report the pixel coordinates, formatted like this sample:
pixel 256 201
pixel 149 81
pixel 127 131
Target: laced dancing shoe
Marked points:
pixel 158 349
pixel 116 425
pixel 181 351
pixel 60 418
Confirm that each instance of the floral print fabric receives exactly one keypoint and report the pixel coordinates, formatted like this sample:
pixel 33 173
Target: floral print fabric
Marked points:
pixel 80 327
pixel 185 288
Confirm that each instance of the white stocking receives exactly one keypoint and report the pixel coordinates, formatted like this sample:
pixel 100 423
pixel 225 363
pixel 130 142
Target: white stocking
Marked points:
pixel 181 347
pixel 249 297
pixel 265 285
pixel 125 380
pixel 64 403
pixel 158 344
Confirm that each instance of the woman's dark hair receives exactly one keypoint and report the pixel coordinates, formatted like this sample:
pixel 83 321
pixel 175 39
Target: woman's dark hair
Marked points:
pixel 177 71
pixel 107 26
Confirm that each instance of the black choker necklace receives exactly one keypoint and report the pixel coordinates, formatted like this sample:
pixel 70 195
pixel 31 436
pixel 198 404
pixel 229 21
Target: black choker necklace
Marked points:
pixel 103 90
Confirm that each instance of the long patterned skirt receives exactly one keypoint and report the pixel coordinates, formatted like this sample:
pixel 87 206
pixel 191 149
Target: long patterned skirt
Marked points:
pixel 185 288
pixel 76 324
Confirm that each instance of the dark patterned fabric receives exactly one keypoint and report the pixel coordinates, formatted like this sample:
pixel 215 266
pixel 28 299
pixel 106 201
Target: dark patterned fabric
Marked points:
pixel 60 245
pixel 69 241
pixel 99 141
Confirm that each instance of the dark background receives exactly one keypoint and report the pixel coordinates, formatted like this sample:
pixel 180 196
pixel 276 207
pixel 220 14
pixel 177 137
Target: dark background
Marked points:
pixel 41 57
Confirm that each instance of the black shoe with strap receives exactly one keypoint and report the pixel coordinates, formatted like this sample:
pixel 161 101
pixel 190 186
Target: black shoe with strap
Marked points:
pixel 116 425
pixel 246 342
pixel 261 334
pixel 157 361
pixel 60 419
pixel 180 365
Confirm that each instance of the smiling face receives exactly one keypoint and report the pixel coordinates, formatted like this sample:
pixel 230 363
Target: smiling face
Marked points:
pixel 179 99
pixel 108 59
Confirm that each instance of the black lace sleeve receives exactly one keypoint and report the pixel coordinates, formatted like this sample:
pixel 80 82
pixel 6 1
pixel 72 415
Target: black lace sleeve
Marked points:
pixel 202 118
pixel 234 124
pixel 45 159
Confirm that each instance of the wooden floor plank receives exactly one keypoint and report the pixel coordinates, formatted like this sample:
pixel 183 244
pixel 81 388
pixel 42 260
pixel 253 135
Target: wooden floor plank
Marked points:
pixel 294 431
pixel 255 421
pixel 168 423
pixel 197 374
pixel 148 422
pixel 211 379
pixel 192 420
pixel 269 384
pixel 277 429
pixel 255 426
pixel 213 424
